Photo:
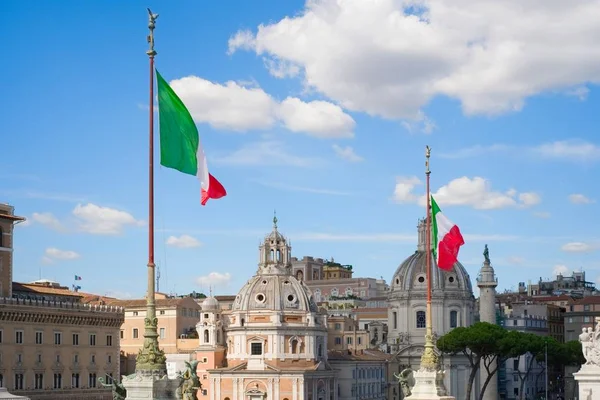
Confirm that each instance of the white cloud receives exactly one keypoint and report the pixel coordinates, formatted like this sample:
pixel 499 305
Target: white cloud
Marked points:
pixel 571 150
pixel 578 247
pixel 420 123
pixel 47 219
pixel 214 279
pixel 269 152
pixel 183 241
pixel 475 192
pixel 403 192
pixel 95 219
pixel 581 92
pixel 52 254
pixel 240 107
pixel 577 198
pixel 391 58
pixel 346 153
pixel 560 270
pixel 319 118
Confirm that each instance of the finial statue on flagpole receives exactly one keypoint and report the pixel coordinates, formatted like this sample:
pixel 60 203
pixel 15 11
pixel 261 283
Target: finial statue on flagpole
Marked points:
pixel 427 155
pixel 151 25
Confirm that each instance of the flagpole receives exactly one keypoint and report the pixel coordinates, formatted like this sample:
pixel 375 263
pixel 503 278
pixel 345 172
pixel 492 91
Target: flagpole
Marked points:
pixel 429 359
pixel 151 359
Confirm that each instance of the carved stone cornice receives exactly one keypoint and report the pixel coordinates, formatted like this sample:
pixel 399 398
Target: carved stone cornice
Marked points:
pixel 40 316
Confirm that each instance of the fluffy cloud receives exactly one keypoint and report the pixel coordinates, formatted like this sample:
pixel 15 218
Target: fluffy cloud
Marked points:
pixel 268 152
pixel 346 153
pixel 577 198
pixel 240 108
pixel 53 254
pixel 95 219
pixel 390 58
pixel 570 150
pixel 48 220
pixel 475 192
pixel 214 279
pixel 560 270
pixel 183 241
pixel 578 247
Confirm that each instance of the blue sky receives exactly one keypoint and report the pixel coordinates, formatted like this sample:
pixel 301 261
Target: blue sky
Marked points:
pixel 321 112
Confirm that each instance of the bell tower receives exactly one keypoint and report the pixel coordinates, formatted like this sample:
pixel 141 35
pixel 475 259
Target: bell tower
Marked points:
pixel 275 254
pixel 211 336
pixel 7 221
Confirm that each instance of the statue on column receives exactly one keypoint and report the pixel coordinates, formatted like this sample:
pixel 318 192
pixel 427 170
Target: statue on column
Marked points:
pixel 486 254
pixel 590 344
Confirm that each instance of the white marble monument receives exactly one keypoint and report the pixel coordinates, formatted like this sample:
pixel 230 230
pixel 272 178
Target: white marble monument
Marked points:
pixel 588 376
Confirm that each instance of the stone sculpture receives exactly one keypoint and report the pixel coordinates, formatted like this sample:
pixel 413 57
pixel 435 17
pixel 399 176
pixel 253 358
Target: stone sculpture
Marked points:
pixel 590 344
pixel 118 390
pixel 189 382
pixel 404 379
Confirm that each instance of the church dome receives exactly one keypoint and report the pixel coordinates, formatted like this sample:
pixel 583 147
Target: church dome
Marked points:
pixel 411 273
pixel 274 293
pixel 210 304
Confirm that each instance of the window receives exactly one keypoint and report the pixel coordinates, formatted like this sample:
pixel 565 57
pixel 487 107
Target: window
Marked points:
pixel 75 358
pixel 19 337
pixel 516 365
pixel 39 358
pixel 76 339
pixel 348 340
pixel 586 319
pixel 205 316
pixel 109 340
pixel 135 333
pixel 122 334
pixel 395 319
pixel 57 381
pixel 39 337
pixel 338 340
pixel 256 349
pixel 162 333
pixel 0 335
pixel 75 380
pixel 109 359
pixel 453 319
pixel 18 381
pixel 93 359
pixel 421 319
pixel 206 337
pixel 338 327
pixel 93 339
pixel 135 313
pixel 586 307
pixel 359 340
pixel 1 380
pixel 39 381
pixel 162 312
pixel 57 338
pixel 58 358
pixel 92 380
pixel 19 358
pixel 294 346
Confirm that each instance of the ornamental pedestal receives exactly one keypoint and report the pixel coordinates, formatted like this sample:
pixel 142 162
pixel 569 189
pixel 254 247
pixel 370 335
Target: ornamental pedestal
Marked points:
pixel 588 379
pixel 151 385
pixel 429 385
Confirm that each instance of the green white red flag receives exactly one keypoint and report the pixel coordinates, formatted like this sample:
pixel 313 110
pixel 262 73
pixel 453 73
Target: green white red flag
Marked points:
pixel 447 238
pixel 180 146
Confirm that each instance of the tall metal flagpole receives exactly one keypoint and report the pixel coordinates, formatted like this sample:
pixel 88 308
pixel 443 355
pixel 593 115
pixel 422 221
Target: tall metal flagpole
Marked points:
pixel 150 357
pixel 429 360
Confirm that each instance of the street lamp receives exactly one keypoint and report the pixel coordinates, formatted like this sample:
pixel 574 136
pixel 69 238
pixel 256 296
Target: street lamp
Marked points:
pixel 546 362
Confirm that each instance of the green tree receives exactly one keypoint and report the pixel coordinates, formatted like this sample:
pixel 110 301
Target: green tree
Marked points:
pixel 481 343
pixel 528 343
pixel 559 356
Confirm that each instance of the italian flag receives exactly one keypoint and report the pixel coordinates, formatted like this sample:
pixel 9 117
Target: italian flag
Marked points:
pixel 447 238
pixel 180 146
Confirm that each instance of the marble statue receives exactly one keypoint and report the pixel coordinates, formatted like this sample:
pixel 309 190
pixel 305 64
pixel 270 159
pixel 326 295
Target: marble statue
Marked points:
pixel 590 344
pixel 404 379
pixel 190 382
pixel 118 390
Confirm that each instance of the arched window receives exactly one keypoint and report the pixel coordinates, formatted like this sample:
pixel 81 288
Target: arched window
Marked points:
pixel 272 254
pixel 453 319
pixel 206 336
pixel 278 255
pixel 294 346
pixel 421 319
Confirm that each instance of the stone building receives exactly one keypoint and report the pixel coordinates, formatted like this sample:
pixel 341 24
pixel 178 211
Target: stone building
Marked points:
pixel 452 306
pixel 273 343
pixel 53 346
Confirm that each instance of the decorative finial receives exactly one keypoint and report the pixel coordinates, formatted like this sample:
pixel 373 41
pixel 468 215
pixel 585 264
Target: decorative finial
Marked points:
pixel 210 291
pixel 486 254
pixel 151 25
pixel 275 219
pixel 427 155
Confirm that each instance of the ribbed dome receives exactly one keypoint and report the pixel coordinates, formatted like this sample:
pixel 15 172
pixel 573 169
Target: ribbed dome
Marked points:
pixel 274 293
pixel 411 274
pixel 210 304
